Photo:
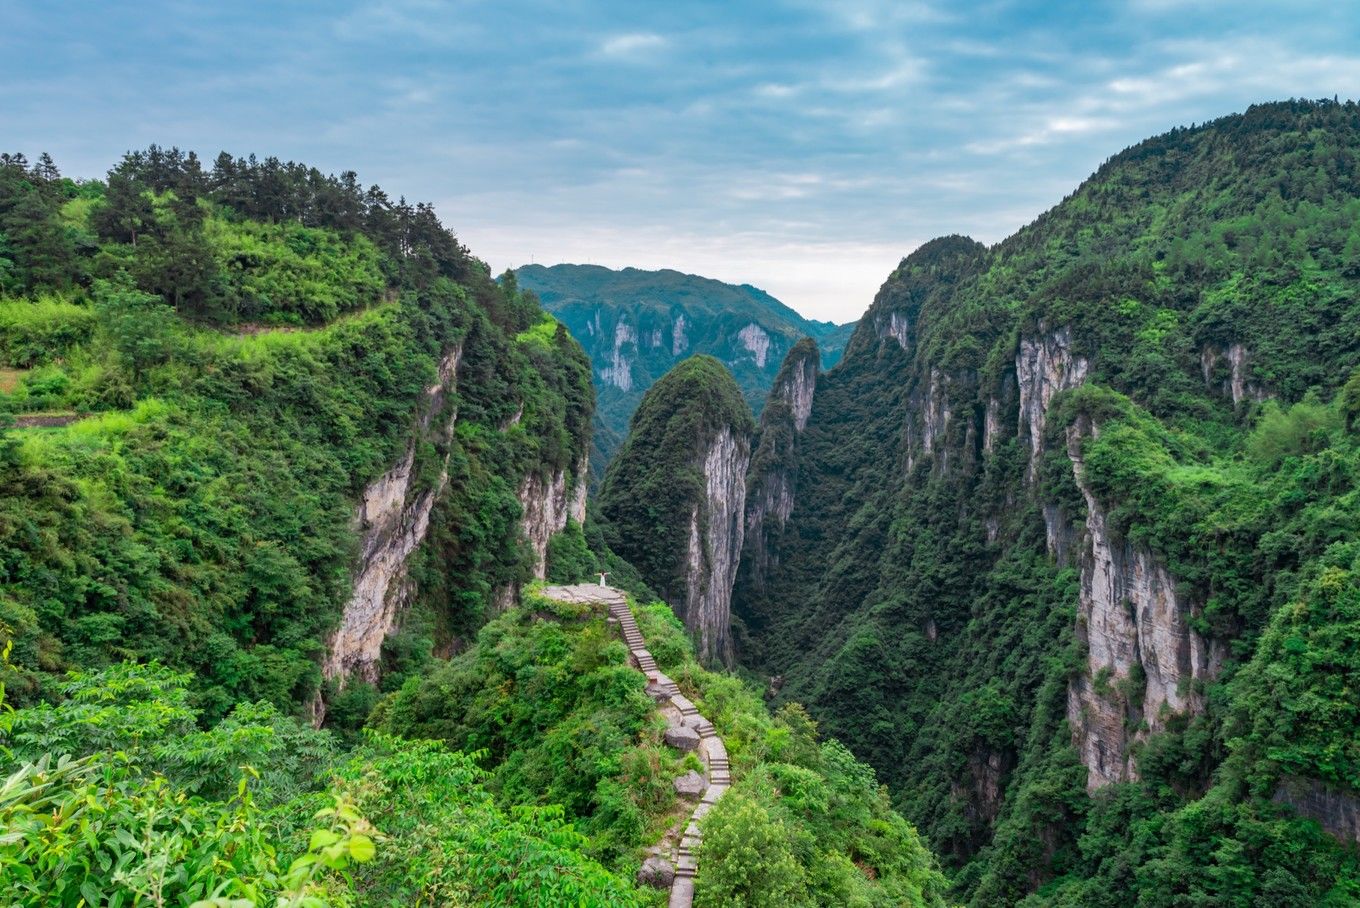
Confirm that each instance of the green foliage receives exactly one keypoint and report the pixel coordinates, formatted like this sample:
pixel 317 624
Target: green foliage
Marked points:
pixel 649 320
pixel 570 559
pixel 448 843
pixel 548 703
pixel 111 797
pixel 290 274
pixel 204 517
pixel 1300 430
pixel 1207 277
pixel 558 713
pixel 33 331
pixel 657 480
pixel 748 858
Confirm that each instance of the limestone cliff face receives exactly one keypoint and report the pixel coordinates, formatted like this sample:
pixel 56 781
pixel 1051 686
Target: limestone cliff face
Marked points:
pixel 548 502
pixel 716 530
pixel 619 371
pixel 1334 810
pixel 393 517
pixel 1044 365
pixel 675 496
pixel 1142 654
pixel 771 483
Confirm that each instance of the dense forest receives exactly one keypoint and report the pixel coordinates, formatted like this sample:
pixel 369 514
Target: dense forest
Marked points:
pixel 231 355
pixel 223 388
pixel 1063 550
pixel 1073 557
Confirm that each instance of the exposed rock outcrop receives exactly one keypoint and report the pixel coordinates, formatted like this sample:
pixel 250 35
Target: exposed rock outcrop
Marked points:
pixel 682 737
pixel 772 481
pixel 676 496
pixel 619 372
pixel 548 502
pixel 757 342
pixel 393 517
pixel 1334 810
pixel 1044 366
pixel 716 531
pixel 1229 369
pixel 691 785
pixel 895 325
pixel 656 872
pixel 1143 655
pixel 679 339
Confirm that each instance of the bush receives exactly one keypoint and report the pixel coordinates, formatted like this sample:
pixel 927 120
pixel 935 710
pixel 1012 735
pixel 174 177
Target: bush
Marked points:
pixel 42 329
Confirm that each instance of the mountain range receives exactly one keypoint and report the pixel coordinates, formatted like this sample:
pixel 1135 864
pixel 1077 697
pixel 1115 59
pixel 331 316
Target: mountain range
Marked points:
pixel 635 325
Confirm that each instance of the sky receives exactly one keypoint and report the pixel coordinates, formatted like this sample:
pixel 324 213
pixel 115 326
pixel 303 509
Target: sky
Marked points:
pixel 803 147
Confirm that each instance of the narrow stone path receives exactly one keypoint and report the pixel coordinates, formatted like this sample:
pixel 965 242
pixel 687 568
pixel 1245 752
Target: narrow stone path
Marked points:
pixel 711 749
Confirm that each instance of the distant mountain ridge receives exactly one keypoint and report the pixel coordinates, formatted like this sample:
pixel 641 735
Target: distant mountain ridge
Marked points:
pixel 636 324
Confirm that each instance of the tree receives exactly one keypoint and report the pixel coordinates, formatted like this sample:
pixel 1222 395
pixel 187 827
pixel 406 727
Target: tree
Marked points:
pixel 747 858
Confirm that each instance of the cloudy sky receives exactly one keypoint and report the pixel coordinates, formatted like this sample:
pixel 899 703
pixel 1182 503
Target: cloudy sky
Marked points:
pixel 800 146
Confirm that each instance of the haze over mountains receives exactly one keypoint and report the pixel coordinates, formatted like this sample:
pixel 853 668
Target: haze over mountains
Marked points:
pixel 636 325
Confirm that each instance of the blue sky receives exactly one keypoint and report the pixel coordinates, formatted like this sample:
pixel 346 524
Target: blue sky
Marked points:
pixel 804 147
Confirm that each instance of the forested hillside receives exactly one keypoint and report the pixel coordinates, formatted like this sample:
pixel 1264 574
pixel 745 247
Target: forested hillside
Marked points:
pixel 636 325
pixel 1072 552
pixel 235 358
pixel 279 465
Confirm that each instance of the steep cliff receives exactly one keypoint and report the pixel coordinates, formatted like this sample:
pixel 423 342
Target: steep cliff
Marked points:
pixel 637 324
pixel 772 480
pixel 295 516
pixel 1045 506
pixel 1143 655
pixel 392 518
pixel 675 497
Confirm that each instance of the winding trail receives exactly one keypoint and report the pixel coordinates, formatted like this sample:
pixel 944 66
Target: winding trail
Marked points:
pixel 712 751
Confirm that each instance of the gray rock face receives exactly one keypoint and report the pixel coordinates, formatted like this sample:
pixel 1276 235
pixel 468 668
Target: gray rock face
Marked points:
pixel 682 737
pixel 393 520
pixel 619 372
pixel 1142 653
pixel 715 545
pixel 935 413
pixel 1044 366
pixel 1232 375
pixel 770 496
pixel 656 872
pixel 897 326
pixel 1336 811
pixel 547 503
pixel 690 785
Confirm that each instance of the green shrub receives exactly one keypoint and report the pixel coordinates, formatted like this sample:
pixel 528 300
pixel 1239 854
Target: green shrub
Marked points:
pixel 42 329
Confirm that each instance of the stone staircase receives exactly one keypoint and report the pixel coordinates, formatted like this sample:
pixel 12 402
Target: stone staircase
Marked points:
pixel 711 748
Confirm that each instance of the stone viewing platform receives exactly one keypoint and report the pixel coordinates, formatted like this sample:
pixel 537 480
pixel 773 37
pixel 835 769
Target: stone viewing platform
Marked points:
pixel 687 731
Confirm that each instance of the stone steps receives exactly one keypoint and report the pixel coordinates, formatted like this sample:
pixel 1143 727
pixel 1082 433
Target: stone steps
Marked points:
pixel 718 770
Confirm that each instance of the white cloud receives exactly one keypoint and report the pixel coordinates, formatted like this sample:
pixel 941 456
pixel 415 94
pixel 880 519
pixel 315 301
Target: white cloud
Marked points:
pixel 633 45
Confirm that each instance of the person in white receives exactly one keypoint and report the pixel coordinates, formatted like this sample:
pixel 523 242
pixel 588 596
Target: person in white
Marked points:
pixel 603 574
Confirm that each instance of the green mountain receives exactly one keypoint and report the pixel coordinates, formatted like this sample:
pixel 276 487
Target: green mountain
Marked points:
pixel 1065 550
pixel 280 463
pixel 674 497
pixel 635 325
pixel 1068 549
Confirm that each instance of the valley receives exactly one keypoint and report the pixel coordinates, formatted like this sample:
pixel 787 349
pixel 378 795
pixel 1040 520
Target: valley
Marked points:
pixel 336 570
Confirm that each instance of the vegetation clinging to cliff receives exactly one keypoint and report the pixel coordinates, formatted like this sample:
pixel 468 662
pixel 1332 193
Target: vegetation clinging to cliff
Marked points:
pixel 657 480
pixel 202 516
pixel 920 614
